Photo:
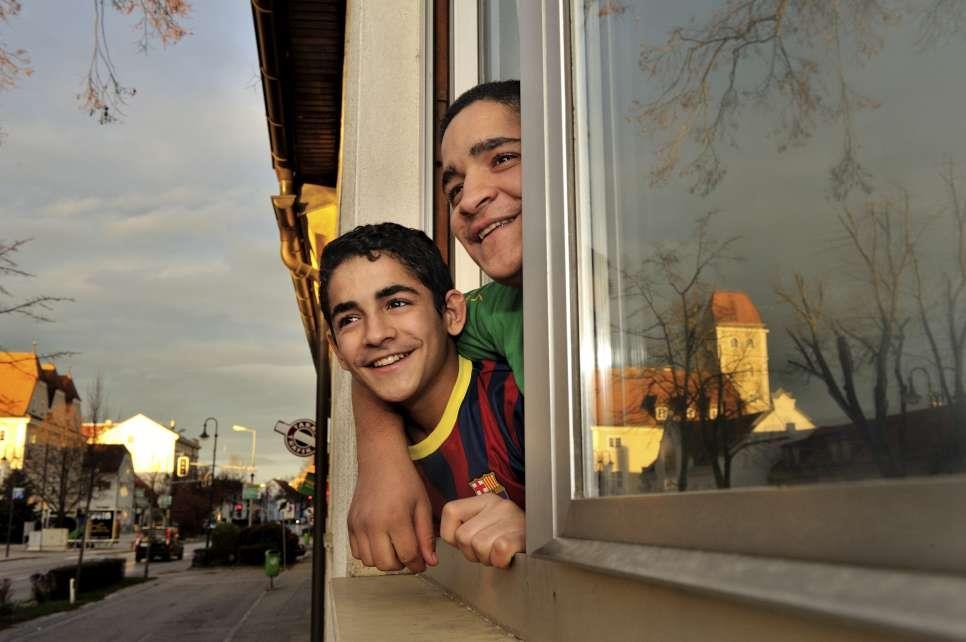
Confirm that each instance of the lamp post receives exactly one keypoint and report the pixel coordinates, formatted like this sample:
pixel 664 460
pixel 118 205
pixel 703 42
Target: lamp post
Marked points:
pixel 238 428
pixel 211 487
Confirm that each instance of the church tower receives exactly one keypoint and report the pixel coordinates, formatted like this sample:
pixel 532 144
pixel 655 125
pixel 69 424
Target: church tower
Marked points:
pixel 741 346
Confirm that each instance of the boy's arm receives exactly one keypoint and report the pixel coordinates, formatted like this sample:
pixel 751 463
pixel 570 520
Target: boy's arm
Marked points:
pixel 487 529
pixel 390 519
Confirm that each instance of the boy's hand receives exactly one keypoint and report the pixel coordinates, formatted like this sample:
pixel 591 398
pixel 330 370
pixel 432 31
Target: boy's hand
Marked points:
pixel 390 519
pixel 487 529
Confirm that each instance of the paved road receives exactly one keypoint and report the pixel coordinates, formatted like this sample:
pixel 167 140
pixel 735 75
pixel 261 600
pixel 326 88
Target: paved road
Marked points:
pixel 19 570
pixel 197 604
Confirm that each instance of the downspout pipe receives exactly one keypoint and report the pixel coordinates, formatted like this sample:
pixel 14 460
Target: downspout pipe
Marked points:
pixel 303 275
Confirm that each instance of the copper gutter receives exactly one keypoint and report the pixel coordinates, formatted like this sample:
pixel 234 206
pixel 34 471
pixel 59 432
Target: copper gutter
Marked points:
pixel 293 248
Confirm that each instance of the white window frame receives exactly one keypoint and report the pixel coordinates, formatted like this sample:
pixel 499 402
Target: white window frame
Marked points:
pixel 912 524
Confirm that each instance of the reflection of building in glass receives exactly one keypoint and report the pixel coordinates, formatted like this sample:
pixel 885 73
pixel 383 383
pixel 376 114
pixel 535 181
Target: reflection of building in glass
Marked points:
pixel 741 346
pixel 722 407
pixel 840 453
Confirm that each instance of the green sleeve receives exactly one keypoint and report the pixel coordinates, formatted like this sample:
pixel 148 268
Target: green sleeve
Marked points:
pixel 494 327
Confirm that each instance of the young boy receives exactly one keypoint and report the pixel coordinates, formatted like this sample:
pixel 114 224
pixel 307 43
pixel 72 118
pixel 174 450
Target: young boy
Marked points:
pixel 390 518
pixel 393 317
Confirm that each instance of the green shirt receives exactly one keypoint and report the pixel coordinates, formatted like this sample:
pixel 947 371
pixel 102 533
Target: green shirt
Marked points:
pixel 494 326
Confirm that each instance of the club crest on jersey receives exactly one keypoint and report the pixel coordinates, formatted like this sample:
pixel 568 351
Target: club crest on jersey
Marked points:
pixel 488 484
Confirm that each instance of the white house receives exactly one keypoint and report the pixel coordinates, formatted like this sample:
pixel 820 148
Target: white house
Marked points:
pixel 152 446
pixel 112 504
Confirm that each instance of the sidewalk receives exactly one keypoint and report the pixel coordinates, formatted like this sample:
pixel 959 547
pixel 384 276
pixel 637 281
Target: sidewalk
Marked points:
pixel 125 544
pixel 284 613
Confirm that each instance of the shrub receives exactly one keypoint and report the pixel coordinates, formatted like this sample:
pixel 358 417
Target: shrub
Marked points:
pixel 95 574
pixel 262 537
pixel 224 543
pixel 40 587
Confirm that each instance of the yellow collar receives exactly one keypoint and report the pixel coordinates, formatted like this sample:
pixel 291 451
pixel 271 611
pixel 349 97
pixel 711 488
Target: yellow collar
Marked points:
pixel 445 425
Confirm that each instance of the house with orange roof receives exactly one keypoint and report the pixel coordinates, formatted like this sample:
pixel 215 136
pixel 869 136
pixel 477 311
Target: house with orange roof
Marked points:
pixel 38 405
pixel 724 399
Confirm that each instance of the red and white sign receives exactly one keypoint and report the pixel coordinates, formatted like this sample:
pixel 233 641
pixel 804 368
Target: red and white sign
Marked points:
pixel 299 436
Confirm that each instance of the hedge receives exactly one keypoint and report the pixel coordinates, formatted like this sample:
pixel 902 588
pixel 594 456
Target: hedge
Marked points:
pixel 96 574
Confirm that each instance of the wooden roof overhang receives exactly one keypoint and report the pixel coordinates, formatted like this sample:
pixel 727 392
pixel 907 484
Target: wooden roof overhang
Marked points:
pixel 301 52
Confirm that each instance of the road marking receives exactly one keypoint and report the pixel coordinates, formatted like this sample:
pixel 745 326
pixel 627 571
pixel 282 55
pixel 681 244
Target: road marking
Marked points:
pixel 238 625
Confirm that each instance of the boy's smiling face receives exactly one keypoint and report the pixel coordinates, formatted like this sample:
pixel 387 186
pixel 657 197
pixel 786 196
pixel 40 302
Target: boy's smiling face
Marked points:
pixel 387 332
pixel 482 180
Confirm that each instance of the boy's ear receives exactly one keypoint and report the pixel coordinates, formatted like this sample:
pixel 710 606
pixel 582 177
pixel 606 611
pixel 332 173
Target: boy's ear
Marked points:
pixel 335 349
pixel 454 312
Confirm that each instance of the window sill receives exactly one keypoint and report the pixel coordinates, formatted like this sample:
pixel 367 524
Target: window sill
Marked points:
pixel 893 601
pixel 403 608
pixel 605 586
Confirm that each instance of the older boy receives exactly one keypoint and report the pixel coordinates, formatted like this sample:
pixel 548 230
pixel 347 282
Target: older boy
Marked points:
pixel 393 316
pixel 389 519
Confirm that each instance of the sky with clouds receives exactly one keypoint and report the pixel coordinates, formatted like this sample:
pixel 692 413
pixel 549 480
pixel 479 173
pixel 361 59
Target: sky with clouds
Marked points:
pixel 159 228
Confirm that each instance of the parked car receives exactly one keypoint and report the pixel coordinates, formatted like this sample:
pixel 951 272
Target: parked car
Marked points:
pixel 162 542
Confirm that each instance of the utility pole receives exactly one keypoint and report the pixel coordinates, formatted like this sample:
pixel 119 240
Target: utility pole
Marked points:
pixel 211 488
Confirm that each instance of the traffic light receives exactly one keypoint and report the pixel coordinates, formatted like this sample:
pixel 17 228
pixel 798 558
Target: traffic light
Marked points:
pixel 238 510
pixel 183 466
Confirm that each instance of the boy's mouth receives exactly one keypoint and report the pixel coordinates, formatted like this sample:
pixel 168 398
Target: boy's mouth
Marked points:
pixel 492 227
pixel 388 360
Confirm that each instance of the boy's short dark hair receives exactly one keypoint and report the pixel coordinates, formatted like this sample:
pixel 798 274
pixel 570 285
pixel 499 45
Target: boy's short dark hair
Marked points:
pixel 411 247
pixel 505 92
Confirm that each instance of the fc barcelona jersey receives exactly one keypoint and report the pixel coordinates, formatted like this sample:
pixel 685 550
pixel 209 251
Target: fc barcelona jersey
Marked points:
pixel 477 446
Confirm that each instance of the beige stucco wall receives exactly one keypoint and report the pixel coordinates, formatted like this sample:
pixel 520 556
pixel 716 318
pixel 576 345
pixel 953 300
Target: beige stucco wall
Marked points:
pixel 381 179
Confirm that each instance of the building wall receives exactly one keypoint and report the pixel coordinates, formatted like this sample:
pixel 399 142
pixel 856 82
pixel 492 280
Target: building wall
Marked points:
pixel 381 179
pixel 13 435
pixel 746 363
pixel 151 445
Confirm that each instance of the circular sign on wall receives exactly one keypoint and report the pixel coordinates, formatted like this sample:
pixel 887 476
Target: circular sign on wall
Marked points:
pixel 299 436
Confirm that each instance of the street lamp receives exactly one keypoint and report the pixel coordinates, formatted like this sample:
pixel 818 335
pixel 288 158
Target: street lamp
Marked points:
pixel 238 428
pixel 211 487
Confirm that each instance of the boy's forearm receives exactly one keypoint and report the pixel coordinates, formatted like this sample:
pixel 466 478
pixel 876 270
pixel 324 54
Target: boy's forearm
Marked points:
pixel 390 518
pixel 379 430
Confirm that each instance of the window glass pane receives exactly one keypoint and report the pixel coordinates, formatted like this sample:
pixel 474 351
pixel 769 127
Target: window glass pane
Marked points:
pixel 500 40
pixel 771 236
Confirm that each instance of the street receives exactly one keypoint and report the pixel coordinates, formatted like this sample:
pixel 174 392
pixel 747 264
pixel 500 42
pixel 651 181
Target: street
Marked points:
pixel 187 604
pixel 19 569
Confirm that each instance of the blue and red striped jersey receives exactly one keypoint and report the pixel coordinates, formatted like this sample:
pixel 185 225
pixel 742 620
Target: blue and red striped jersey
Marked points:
pixel 477 446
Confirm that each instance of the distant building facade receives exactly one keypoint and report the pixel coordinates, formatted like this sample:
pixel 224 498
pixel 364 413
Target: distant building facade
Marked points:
pixel 152 445
pixel 38 405
pixel 112 503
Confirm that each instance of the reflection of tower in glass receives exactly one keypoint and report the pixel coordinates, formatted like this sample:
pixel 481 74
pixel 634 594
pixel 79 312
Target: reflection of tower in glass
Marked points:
pixel 741 347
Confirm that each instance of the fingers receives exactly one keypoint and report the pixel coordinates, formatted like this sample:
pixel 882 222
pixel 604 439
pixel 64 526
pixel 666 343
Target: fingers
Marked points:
pixel 425 538
pixel 383 553
pixel 406 546
pixel 390 531
pixel 486 529
pixel 459 511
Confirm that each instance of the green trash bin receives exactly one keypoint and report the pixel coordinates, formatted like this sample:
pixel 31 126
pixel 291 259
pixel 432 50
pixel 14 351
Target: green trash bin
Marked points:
pixel 273 562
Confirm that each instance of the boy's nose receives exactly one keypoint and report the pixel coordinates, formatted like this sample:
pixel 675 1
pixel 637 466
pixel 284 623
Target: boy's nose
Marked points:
pixel 378 331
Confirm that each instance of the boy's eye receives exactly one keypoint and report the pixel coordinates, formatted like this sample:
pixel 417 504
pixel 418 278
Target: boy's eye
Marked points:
pixel 505 157
pixel 396 303
pixel 453 194
pixel 343 321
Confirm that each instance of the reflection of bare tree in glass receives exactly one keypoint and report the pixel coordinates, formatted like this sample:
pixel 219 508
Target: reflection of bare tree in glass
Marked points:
pixel 672 290
pixel 787 56
pixel 950 329
pixel 868 333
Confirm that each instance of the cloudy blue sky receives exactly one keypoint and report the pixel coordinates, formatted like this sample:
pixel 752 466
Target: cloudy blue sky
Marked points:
pixel 160 228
